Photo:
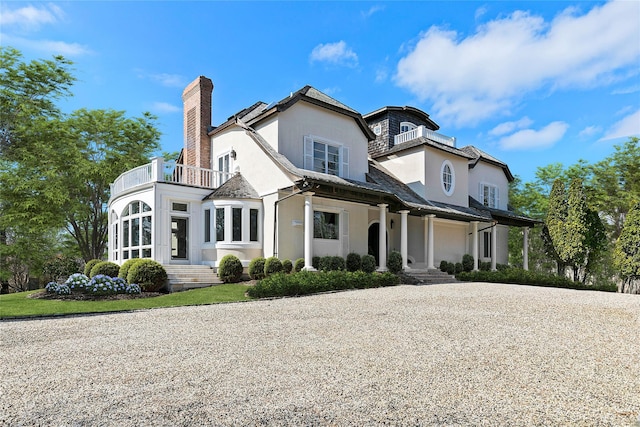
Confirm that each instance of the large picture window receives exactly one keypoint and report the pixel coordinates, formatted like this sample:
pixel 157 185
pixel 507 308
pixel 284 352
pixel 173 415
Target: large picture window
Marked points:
pixel 220 224
pixel 136 231
pixel 238 223
pixel 326 225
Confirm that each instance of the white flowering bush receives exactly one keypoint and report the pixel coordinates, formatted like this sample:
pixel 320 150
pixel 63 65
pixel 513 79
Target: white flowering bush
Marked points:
pixel 63 290
pixel 133 289
pixel 119 285
pixel 52 287
pixel 78 282
pixel 101 285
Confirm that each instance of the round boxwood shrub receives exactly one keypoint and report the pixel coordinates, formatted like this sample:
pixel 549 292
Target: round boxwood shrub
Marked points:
pixel 89 265
pixel 287 266
pixel 124 268
pixel 394 263
pixel 230 269
pixel 354 262
pixel 107 268
pixel 368 263
pixel 458 268
pixel 298 265
pixel 451 268
pixel 315 262
pixel 443 265
pixel 467 262
pixel 148 274
pixel 256 268
pixel 272 265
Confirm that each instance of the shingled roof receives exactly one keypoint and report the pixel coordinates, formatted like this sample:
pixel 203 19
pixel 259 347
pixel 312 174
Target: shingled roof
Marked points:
pixel 477 154
pixel 236 187
pixel 421 141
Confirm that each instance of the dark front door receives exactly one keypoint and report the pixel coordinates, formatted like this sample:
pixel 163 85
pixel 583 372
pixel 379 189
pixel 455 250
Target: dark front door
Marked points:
pixel 179 240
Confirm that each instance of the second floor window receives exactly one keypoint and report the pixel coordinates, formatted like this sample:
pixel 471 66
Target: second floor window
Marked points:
pixel 489 195
pixel 406 127
pixel 326 157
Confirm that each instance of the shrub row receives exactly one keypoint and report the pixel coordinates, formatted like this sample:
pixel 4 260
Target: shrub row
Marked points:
pixel 525 277
pixel 304 283
pixel 148 274
pixel 97 285
pixel 467 265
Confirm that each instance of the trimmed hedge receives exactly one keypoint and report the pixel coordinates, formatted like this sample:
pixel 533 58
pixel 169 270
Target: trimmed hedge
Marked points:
pixel 368 263
pixel 256 268
pixel 148 274
pixel 305 283
pixel 394 263
pixel 89 265
pixel 230 269
pixel 331 263
pixel 298 265
pixel 287 266
pixel 124 268
pixel 272 265
pixel 354 262
pixel 107 268
pixel 525 277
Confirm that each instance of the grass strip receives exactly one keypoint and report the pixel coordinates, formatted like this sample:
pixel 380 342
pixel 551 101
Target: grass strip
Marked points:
pixel 20 305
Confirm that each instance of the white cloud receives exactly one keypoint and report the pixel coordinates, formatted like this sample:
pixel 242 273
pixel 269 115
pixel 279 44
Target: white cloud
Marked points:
pixel 164 107
pixel 529 138
pixel 334 53
pixel 508 127
pixel 471 78
pixel 170 80
pixel 31 17
pixel 589 131
pixel 628 126
pixel 52 47
pixel 371 11
pixel 626 90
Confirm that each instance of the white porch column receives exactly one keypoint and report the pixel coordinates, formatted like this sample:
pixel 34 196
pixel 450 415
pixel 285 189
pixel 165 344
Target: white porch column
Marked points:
pixel 426 239
pixel 494 246
pixel 474 251
pixel 404 239
pixel 382 244
pixel 430 254
pixel 308 232
pixel 525 248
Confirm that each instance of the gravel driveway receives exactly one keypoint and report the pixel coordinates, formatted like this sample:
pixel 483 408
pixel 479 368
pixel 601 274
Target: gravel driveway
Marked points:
pixel 456 354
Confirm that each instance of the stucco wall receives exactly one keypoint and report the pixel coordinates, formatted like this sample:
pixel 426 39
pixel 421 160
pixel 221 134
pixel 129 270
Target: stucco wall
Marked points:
pixel 489 174
pixel 434 159
pixel 306 119
pixel 408 166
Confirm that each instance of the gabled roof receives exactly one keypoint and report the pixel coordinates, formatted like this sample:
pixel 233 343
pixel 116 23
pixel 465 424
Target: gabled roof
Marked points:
pixel 236 187
pixel 260 111
pixel 406 109
pixel 477 155
pixel 426 142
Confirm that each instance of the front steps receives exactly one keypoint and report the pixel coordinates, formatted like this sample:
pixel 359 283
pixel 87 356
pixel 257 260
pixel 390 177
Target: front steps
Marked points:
pixel 424 276
pixel 183 277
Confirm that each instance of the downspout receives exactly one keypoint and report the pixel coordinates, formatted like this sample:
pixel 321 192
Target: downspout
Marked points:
pixel 275 219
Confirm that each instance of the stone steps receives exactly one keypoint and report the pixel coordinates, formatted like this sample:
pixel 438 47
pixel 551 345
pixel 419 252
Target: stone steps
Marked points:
pixel 183 277
pixel 430 276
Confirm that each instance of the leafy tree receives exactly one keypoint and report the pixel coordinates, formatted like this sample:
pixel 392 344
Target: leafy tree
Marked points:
pixel 555 222
pixel 572 247
pixel 627 250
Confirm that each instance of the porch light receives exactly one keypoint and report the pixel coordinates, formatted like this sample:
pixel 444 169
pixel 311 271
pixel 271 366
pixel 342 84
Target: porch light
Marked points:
pixel 233 154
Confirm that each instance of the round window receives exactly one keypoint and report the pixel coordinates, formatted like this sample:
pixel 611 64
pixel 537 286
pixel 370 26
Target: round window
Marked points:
pixel 448 177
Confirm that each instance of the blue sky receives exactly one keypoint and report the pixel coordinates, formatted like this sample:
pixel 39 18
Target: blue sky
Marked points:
pixel 529 82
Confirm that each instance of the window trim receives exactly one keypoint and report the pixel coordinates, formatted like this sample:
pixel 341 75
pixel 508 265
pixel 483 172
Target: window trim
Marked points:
pixel 411 126
pixel 336 230
pixel 227 207
pixel 496 195
pixel 126 246
pixel 309 155
pixel 443 184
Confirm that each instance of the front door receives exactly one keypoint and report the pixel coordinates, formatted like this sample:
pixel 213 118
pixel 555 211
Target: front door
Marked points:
pixel 179 238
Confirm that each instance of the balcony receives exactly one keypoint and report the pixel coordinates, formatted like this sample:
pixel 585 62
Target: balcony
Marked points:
pixel 168 172
pixel 427 133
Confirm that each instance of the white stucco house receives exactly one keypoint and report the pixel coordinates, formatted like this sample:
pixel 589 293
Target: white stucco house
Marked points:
pixel 308 176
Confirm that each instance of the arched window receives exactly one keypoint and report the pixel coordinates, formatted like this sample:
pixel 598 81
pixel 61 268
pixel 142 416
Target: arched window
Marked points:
pixel 136 231
pixel 448 178
pixel 406 127
pixel 114 235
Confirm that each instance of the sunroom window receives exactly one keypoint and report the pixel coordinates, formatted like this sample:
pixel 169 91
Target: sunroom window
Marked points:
pixel 136 231
pixel 237 223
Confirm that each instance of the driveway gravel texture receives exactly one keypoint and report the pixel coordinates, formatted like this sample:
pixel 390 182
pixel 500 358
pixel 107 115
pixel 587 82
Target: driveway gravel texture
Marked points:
pixel 468 354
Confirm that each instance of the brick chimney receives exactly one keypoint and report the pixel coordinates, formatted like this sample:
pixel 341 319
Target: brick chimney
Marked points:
pixel 196 100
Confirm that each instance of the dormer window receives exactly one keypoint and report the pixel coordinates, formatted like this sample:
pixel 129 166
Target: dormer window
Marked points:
pixel 406 127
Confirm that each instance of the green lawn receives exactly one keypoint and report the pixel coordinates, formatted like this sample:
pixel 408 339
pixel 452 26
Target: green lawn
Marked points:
pixel 19 305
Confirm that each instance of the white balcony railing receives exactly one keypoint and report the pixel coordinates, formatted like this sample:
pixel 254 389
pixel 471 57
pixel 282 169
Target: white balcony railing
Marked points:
pixel 170 172
pixel 427 133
